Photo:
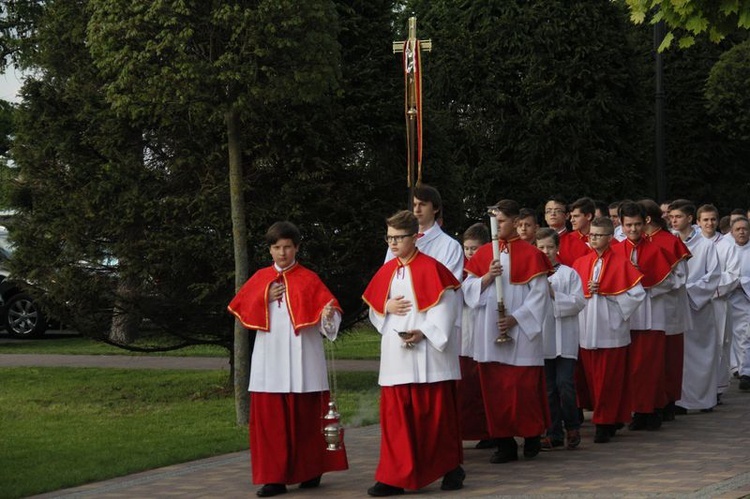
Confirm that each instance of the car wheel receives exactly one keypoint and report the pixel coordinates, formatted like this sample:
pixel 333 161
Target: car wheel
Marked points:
pixel 23 317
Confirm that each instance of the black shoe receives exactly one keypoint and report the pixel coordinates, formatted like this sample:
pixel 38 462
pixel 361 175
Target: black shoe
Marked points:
pixel 381 489
pixel 271 489
pixel 487 443
pixel 667 414
pixel 653 421
pixel 507 451
pixel 603 434
pixel 454 479
pixel 531 447
pixel 744 383
pixel 680 411
pixel 311 483
pixel 710 409
pixel 638 422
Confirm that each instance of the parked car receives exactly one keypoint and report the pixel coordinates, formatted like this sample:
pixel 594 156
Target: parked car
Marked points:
pixel 20 314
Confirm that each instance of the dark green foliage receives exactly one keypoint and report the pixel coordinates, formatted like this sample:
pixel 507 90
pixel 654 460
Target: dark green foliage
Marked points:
pixel 727 93
pixel 534 98
pixel 703 165
pixel 102 203
pixel 122 139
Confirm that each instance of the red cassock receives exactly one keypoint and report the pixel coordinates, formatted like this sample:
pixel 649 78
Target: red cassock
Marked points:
pixel 420 435
pixel 646 370
pixel 470 402
pixel 674 360
pixel 515 399
pixel 286 439
pixel 674 354
pixel 605 369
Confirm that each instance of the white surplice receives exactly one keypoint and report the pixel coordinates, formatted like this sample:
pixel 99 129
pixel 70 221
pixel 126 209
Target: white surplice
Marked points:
pixel 605 321
pixel 729 262
pixel 433 359
pixel 283 362
pixel 699 386
pixel 561 329
pixel 739 311
pixel 526 302
pixel 442 247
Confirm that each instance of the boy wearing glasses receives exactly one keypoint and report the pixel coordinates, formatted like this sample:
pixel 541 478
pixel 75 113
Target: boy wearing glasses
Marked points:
pixel 431 240
pixel 414 304
pixel 611 286
pixel 290 307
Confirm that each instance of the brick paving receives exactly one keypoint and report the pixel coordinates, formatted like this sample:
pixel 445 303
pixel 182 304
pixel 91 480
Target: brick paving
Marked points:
pixel 698 455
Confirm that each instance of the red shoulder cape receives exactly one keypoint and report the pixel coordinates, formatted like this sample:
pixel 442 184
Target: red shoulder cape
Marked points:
pixel 526 261
pixel 430 279
pixel 306 295
pixel 617 275
pixel 653 261
pixel 571 248
pixel 673 244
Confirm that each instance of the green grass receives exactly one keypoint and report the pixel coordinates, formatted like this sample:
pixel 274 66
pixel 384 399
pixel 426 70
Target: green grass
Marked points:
pixel 358 343
pixel 63 427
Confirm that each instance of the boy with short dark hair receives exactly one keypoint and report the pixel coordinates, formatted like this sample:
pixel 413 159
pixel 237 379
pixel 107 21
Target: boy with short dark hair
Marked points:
pixel 527 225
pixel 515 368
pixel 290 307
pixel 571 246
pixel 647 338
pixel 673 316
pixel 582 212
pixel 699 386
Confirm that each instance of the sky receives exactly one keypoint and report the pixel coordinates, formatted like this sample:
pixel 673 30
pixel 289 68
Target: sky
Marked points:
pixel 9 85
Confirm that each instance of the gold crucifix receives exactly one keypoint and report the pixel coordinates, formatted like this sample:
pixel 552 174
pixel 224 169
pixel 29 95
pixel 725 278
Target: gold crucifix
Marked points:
pixel 411 48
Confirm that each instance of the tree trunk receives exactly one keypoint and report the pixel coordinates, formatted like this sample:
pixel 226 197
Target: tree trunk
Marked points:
pixel 239 235
pixel 126 318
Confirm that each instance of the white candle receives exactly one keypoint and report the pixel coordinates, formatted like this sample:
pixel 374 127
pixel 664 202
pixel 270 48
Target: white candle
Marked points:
pixel 496 255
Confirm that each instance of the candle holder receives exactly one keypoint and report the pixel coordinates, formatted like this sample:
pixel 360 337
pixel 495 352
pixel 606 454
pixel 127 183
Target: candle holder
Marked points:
pixel 492 211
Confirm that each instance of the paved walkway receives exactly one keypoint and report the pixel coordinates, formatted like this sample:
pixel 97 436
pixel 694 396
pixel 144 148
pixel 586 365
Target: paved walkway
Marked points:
pixel 698 455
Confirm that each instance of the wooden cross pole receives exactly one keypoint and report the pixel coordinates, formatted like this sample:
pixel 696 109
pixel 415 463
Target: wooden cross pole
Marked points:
pixel 411 50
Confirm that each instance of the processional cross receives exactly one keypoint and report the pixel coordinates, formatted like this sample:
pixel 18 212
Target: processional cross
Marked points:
pixel 411 49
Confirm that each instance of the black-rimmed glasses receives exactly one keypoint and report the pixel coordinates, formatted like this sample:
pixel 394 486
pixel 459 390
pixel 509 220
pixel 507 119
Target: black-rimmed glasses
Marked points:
pixel 396 239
